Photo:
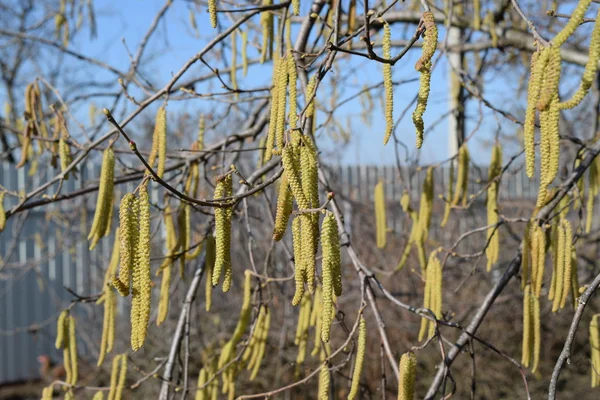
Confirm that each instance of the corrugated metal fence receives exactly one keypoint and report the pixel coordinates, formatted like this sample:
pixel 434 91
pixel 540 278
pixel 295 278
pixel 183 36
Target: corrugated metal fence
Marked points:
pixel 41 257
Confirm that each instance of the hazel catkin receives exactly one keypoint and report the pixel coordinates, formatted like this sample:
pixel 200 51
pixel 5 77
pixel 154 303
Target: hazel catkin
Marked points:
pixel 101 223
pixel 388 84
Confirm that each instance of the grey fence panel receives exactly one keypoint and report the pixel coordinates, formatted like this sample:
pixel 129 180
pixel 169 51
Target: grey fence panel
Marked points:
pixel 45 257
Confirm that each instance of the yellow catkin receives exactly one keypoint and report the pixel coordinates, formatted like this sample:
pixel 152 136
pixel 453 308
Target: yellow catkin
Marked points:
pixel 527 328
pixel 310 181
pixel 576 19
pixel 408 374
pixel 61 329
pixel 423 65
pixel 360 357
pixel 316 320
pixel 495 169
pixel 591 67
pixel 284 208
pixel 462 178
pixel 292 78
pixel 291 166
pixel 229 347
pixel 387 83
pixel 98 396
pixel 310 93
pixel 2 212
pixel 128 237
pixel 266 22
pixel 212 11
pixel 537 332
pixel 101 224
pixel 450 193
pixel 73 351
pixel 233 68
pixel 554 234
pixel 539 59
pixel 299 272
pixel 201 393
pixel 122 377
pixel 595 350
pixel 209 265
pixel 166 266
pixel 432 294
pixel 64 153
pixel 380 220
pixel 568 237
pixel 414 230
pixel 262 344
pixel 301 337
pixel 540 259
pixel 270 140
pixel 559 268
pixel 114 376
pixel 201 132
pixel 424 218
pixel 296 7
pixel 223 234
pixel 525 257
pixel 108 331
pixel 328 273
pixel 324 380
pixel 141 282
pixel 551 79
pixel 282 85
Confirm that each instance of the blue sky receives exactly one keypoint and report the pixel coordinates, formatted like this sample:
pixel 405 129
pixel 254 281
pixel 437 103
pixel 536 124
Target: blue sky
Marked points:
pixel 175 42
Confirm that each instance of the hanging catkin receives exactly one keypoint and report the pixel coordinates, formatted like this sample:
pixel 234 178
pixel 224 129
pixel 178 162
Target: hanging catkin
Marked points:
pixel 538 259
pixel 331 276
pixel 166 266
pixel 212 10
pixel 360 357
pixel 591 67
pixel 424 218
pixel 450 193
pixel 223 234
pixel 527 328
pixel 284 208
pixel 299 265
pixel 423 65
pixel 462 178
pixel 72 343
pixel 266 22
pixel 209 265
pixel 109 300
pixel 310 181
pixel 292 78
pixel 324 378
pixel 245 53
pixel 141 280
pixel 270 141
pixel 387 83
pixel 128 238
pixel 408 374
pixel 302 326
pixel 539 60
pixel 261 346
pixel 414 230
pixel 525 257
pixel 432 294
pixel 494 171
pixel 593 191
pixel 104 204
pixel 233 67
pixel 576 19
pixel 380 220
pixel 595 350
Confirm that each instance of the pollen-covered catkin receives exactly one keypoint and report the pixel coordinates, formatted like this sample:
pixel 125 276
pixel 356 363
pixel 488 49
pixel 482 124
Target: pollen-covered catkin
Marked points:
pixel 284 208
pixel 327 271
pixel 222 232
pixel 567 266
pixel 310 93
pixel 291 166
pixel 245 53
pixel 462 179
pixel 209 265
pixel 595 350
pixel 551 79
pixel 202 392
pixel 525 257
pixel 593 191
pixel 282 84
pixel 408 374
pixel 537 332
pixel 266 22
pixel 424 218
pixel 101 223
pixel 141 282
pixel 360 357
pixel 128 237
pixel 61 329
pixel 423 65
pixel 450 193
pixel 108 323
pixel 387 83
pixel 576 19
pixel 559 267
pixel 495 169
pixel 292 78
pixel 324 379
pixel 432 294
pixel 539 60
pixel 73 350
pixel 166 266
pixel 538 259
pixel 527 328
pixel 64 153
pixel 310 181
pixel 122 377
pixel 331 250
pixel 380 220
pixel 591 67
pixel 212 10
pixel 299 272
pixel 262 343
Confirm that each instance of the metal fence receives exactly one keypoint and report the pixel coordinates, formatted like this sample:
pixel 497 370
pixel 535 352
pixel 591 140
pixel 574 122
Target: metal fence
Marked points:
pixel 40 258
